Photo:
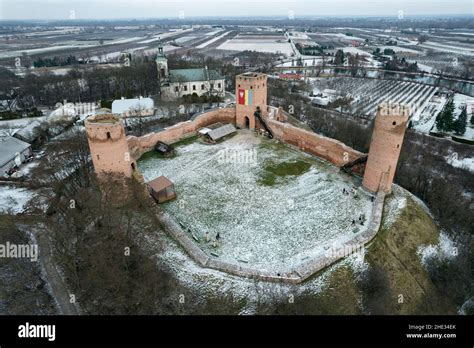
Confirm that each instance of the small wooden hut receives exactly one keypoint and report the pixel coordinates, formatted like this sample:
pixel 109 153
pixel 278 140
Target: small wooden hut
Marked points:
pixel 164 149
pixel 162 189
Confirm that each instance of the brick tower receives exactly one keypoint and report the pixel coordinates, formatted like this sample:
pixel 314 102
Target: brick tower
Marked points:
pixel 387 138
pixel 108 145
pixel 250 93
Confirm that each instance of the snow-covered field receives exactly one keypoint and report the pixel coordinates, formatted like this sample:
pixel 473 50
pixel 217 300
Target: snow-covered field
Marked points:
pixel 13 199
pixel 462 50
pixel 166 35
pixel 368 94
pixel 208 42
pixel 19 53
pixel 400 49
pixel 355 50
pixel 185 39
pixel 269 227
pixel 241 43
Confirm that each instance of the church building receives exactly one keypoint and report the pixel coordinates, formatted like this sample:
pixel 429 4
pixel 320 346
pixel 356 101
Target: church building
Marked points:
pixel 176 83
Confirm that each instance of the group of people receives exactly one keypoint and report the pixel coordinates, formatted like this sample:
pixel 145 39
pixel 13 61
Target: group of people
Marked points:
pixel 361 220
pixel 361 216
pixel 215 241
pixel 347 192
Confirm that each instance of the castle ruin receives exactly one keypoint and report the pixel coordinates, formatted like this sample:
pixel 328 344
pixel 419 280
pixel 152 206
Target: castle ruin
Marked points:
pixel 113 152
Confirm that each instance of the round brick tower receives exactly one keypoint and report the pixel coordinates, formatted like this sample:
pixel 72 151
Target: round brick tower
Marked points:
pixel 387 138
pixel 250 93
pixel 108 145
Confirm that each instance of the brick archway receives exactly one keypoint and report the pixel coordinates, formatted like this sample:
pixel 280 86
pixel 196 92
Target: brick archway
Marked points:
pixel 247 122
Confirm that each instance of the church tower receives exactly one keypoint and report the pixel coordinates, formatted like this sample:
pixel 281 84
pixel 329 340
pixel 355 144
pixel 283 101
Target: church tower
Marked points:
pixel 387 138
pixel 161 63
pixel 108 145
pixel 250 94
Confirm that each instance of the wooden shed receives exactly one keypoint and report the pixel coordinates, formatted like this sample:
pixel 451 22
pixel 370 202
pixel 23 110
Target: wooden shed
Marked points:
pixel 221 133
pixel 164 149
pixel 162 189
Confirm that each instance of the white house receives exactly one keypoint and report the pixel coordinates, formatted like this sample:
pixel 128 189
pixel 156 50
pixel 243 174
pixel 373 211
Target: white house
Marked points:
pixel 133 107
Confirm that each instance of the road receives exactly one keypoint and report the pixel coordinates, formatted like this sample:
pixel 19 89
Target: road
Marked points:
pixel 56 282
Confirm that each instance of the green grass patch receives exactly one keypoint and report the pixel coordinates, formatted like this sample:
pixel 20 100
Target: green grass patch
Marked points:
pixel 155 154
pixel 185 141
pixel 272 171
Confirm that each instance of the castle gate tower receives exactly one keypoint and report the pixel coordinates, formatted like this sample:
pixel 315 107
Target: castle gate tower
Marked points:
pixel 108 145
pixel 250 93
pixel 387 138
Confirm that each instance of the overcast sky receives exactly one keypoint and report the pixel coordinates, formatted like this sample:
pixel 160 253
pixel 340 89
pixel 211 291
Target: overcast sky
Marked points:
pixel 110 9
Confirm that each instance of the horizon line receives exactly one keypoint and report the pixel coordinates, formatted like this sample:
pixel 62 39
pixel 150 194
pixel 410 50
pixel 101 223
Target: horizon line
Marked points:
pixel 224 17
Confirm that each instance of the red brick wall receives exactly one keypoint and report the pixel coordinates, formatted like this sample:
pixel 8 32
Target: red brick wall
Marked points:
pixel 329 149
pixel 139 145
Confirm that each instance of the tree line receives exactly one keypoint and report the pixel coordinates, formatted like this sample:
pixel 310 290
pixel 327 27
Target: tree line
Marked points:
pixel 82 85
pixel 445 121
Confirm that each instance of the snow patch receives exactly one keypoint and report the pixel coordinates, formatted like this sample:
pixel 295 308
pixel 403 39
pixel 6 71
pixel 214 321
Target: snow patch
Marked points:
pixel 444 250
pixel 466 163
pixel 13 199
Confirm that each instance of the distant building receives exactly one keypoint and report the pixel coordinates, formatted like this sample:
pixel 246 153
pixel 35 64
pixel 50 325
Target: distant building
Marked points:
pixel 14 152
pixel 176 83
pixel 8 103
pixel 133 107
pixel 30 134
pixel 290 76
pixel 324 98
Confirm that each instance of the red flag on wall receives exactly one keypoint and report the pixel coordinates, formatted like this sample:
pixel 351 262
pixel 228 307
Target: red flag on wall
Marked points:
pixel 241 96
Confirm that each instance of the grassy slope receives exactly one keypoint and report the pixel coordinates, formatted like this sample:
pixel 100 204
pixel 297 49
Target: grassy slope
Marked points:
pixel 394 250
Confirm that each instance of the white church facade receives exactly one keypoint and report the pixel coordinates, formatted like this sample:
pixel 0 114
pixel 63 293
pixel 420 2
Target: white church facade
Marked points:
pixel 177 83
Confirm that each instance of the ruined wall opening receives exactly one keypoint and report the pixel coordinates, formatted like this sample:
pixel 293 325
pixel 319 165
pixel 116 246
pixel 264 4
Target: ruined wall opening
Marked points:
pixel 247 122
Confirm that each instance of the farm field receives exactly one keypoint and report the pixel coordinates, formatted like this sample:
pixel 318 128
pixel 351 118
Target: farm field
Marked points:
pixel 426 101
pixel 263 43
pixel 367 94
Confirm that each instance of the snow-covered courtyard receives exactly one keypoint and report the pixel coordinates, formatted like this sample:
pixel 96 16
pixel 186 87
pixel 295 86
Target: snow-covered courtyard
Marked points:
pixel 272 206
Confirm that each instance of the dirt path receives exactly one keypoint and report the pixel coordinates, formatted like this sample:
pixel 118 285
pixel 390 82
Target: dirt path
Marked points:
pixel 59 289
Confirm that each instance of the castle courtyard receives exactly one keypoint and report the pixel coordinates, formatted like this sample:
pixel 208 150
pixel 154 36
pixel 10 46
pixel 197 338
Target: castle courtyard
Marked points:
pixel 256 202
